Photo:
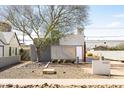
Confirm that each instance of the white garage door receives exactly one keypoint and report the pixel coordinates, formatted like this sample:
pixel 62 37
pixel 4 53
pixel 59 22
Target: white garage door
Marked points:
pixel 1 51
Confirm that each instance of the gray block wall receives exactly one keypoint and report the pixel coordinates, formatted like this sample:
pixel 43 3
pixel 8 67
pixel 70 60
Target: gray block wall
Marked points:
pixel 45 54
pixel 33 53
pixel 6 61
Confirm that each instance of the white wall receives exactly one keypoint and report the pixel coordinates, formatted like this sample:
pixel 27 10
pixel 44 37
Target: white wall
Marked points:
pixel 79 52
pixel 115 55
pixel 1 51
pixel 1 43
pixel 14 42
pixel 101 67
pixel 72 40
pixel 6 61
pixel 63 52
pixel 12 51
pixel 6 51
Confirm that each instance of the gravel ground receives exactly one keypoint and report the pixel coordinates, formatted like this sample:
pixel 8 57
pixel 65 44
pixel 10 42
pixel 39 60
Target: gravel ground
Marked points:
pixel 64 71
pixel 45 85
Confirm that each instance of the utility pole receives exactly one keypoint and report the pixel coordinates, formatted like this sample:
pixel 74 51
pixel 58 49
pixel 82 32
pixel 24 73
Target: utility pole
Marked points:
pixel 23 38
pixel 84 50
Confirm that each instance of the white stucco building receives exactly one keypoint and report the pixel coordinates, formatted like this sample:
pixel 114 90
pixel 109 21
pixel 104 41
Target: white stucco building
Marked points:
pixel 9 49
pixel 69 47
pixel 9 44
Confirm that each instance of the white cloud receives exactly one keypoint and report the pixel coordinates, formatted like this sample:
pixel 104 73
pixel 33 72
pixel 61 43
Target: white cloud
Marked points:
pixel 119 15
pixel 114 24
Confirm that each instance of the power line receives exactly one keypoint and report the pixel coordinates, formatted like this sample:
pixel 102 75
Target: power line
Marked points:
pixel 104 28
pixel 104 36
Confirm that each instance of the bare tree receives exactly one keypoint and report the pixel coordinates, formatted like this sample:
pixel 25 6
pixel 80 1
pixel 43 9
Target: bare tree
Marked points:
pixel 50 22
pixel 5 27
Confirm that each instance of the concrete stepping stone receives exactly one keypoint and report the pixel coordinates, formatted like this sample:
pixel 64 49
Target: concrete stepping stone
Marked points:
pixel 49 71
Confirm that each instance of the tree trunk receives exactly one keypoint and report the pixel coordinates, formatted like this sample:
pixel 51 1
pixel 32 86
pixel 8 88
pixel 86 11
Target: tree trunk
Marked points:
pixel 38 54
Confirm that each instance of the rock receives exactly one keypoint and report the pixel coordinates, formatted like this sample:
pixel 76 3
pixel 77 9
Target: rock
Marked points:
pixel 83 86
pixel 57 86
pixel 46 85
pixel 33 71
pixel 9 85
pixel 29 86
pixel 49 71
pixel 36 86
pixel 64 72
pixel 17 86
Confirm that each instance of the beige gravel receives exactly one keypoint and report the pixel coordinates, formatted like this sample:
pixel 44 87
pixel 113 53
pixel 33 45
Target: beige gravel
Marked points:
pixel 64 71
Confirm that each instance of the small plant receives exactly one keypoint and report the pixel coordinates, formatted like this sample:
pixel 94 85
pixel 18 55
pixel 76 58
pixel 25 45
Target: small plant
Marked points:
pixel 54 61
pixel 95 57
pixel 73 61
pixel 21 50
pixel 89 54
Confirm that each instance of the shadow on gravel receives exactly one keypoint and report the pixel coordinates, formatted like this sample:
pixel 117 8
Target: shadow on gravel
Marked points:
pixel 117 75
pixel 7 67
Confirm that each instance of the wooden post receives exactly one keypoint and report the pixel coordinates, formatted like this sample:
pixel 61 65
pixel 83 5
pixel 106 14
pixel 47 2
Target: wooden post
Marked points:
pixel 84 51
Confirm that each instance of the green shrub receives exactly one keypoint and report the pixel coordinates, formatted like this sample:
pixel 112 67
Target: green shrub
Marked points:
pixel 90 54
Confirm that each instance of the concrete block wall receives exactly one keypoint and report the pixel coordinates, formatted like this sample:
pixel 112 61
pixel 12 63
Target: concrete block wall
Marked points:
pixel 6 61
pixel 101 67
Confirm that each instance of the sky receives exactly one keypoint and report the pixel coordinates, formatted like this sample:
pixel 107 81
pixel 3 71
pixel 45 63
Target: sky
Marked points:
pixel 106 20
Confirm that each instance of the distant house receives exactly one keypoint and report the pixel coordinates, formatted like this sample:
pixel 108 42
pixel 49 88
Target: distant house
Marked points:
pixel 68 47
pixel 90 44
pixel 9 48
pixel 9 44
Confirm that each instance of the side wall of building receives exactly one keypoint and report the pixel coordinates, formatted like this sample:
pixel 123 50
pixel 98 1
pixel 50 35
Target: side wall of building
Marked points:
pixel 6 61
pixel 72 40
pixel 63 52
pixel 11 51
